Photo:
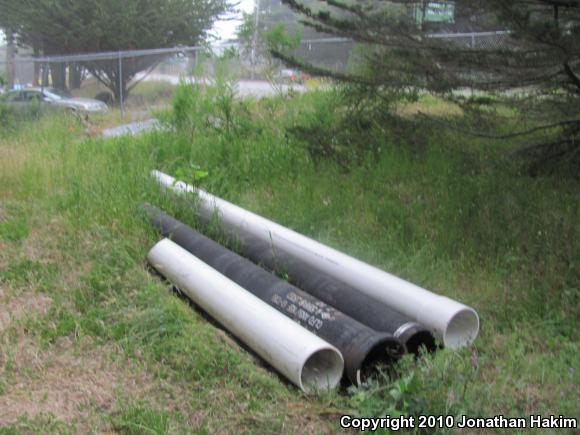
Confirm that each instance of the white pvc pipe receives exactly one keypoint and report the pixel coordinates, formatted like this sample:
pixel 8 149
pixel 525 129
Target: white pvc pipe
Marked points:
pixel 455 323
pixel 306 360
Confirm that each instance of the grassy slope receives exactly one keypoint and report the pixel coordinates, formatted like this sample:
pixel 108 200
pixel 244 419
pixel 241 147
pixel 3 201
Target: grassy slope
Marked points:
pixel 445 216
pixel 71 239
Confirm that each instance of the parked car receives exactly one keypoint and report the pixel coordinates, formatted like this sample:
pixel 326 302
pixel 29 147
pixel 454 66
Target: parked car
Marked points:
pixel 293 76
pixel 53 98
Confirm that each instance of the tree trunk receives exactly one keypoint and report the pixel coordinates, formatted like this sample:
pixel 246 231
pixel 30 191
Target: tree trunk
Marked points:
pixel 37 68
pixel 10 59
pixel 119 90
pixel 45 82
pixel 58 73
pixel 75 75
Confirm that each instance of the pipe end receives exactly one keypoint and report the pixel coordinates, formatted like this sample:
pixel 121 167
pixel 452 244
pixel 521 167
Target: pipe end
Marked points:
pixel 416 337
pixel 322 371
pixel 383 355
pixel 462 329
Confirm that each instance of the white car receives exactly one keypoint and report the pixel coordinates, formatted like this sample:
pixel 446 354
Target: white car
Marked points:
pixel 52 97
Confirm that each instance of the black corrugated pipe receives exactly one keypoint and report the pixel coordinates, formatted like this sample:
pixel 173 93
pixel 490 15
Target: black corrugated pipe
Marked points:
pixel 362 348
pixel 335 293
pixel 361 307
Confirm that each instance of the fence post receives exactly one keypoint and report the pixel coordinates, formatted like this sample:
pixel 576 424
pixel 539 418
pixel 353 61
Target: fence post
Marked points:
pixel 121 96
pixel 10 59
pixel 46 75
pixel 255 39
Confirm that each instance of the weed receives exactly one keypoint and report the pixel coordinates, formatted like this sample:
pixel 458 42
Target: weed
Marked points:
pixel 140 418
pixel 22 272
pixel 45 423
pixel 13 117
pixel 13 230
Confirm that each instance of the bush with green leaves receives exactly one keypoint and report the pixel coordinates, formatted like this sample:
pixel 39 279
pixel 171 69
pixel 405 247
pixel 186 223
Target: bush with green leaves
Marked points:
pixel 11 117
pixel 348 127
pixel 200 105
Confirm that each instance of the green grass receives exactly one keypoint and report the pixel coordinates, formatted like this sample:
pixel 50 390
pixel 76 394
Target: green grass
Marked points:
pixel 13 230
pixel 443 211
pixel 144 95
pixel 44 423
pixel 141 419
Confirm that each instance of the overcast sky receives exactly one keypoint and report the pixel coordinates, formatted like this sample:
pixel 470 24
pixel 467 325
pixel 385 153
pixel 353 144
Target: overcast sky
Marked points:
pixel 226 29
pixel 223 29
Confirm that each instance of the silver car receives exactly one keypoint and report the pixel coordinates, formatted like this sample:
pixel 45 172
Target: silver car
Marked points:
pixel 52 97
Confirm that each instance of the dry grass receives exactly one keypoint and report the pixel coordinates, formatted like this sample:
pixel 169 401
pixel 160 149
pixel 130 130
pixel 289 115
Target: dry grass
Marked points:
pixel 67 383
pixel 17 308
pixel 429 105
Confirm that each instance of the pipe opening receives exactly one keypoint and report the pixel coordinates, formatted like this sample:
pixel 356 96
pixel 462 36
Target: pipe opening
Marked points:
pixel 461 329
pixel 415 336
pixel 380 359
pixel 420 343
pixel 322 371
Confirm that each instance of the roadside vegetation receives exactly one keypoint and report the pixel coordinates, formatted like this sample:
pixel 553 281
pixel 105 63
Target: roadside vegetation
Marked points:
pixel 91 340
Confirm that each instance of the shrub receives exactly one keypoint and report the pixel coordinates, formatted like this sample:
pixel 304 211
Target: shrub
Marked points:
pixel 11 117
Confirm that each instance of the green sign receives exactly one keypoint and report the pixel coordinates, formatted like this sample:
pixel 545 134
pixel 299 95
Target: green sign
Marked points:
pixel 435 12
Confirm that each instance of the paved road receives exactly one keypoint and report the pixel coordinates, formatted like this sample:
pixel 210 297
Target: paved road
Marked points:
pixel 245 88
pixel 132 129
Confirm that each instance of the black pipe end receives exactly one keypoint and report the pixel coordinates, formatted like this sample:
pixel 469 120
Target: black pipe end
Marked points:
pixel 416 338
pixel 381 356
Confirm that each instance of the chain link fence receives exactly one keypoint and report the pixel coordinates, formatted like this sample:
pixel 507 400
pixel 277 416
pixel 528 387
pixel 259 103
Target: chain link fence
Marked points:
pixel 476 41
pixel 128 80
pixel 136 82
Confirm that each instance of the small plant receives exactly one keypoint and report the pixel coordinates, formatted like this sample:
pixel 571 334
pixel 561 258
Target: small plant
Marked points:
pixel 393 397
pixel 202 106
pixel 12 117
pixel 192 175
pixel 433 385
pixel 141 417
pixel 225 89
pixel 6 117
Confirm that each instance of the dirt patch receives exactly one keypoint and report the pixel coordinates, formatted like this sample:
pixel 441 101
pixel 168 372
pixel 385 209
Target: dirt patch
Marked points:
pixel 67 383
pixel 78 382
pixel 22 306
pixel 42 243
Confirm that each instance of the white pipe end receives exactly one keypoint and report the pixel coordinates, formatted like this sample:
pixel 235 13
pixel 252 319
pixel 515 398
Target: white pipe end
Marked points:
pixel 322 371
pixel 462 329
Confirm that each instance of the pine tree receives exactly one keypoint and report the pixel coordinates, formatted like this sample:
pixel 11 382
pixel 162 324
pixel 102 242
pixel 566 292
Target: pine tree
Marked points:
pixel 540 54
